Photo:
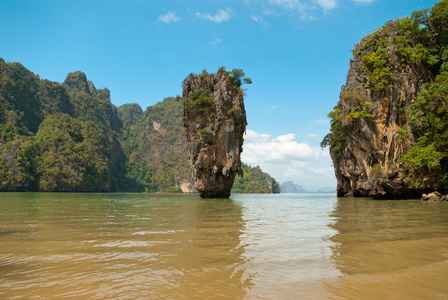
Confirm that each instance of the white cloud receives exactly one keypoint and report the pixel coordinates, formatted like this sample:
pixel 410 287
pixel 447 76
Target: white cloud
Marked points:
pixel 287 3
pixel 286 159
pixel 305 9
pixel 291 5
pixel 221 16
pixel 217 41
pixel 260 147
pixel 327 4
pixel 313 135
pixel 363 1
pixel 169 17
pixel 259 19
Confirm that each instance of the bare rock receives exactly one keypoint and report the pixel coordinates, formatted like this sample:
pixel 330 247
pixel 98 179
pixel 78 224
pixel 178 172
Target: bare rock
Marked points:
pixel 434 196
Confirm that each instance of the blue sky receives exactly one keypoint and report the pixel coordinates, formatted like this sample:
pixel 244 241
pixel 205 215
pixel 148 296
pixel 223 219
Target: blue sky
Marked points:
pixel 296 52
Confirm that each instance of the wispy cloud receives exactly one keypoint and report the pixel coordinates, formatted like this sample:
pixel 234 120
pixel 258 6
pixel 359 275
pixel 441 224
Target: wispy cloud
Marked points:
pixel 217 41
pixel 169 17
pixel 220 16
pixel 304 9
pixel 255 18
pixel 327 4
pixel 291 6
pixel 286 159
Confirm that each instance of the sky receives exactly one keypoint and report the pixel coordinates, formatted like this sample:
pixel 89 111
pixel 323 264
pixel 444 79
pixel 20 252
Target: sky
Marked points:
pixel 297 53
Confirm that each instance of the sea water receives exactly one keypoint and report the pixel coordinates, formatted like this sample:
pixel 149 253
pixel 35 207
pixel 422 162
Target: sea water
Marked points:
pixel 179 246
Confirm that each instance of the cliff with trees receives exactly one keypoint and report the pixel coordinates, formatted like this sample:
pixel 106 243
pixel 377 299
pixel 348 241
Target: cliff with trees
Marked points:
pixel 389 130
pixel 70 137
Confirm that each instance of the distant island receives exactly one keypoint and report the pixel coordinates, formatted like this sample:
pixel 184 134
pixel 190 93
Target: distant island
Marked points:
pixel 69 137
pixel 389 130
pixel 291 187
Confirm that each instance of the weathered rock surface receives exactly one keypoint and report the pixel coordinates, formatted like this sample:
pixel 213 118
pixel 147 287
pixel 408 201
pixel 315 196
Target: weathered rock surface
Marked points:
pixel 215 121
pixel 375 132
pixel 434 196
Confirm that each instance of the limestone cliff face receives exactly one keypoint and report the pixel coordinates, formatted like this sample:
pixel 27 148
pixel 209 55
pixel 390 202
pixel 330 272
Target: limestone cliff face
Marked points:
pixel 215 121
pixel 370 127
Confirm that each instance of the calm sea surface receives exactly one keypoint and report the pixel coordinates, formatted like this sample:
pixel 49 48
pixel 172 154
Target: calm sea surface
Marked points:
pixel 170 246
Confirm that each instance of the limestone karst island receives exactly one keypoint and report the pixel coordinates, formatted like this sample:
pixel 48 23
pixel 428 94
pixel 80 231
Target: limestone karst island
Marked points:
pixel 388 137
pixel 389 130
pixel 215 122
pixel 69 137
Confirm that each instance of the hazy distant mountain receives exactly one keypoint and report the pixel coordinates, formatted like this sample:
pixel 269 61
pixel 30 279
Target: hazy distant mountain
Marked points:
pixel 327 190
pixel 291 187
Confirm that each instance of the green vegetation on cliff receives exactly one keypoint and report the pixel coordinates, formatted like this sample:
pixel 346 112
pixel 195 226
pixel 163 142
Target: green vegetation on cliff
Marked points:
pixel 56 137
pixel 255 181
pixel 428 117
pixel 398 87
pixel 334 139
pixel 66 154
pixel 70 137
pixel 155 147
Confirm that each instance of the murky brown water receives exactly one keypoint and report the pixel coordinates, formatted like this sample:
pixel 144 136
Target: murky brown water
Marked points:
pixel 139 246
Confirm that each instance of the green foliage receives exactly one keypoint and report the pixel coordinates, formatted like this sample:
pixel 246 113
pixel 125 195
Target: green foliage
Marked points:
pixel 360 108
pixel 156 149
pixel 428 116
pixel 235 77
pixel 420 39
pixel 66 154
pixel 247 80
pixel 57 136
pixel 423 161
pixel 378 69
pixel 139 176
pixel 377 172
pixel 254 181
pixel 334 139
pixel 202 100
pixel 129 114
pixel 230 113
pixel 437 22
pixel 200 106
pixel 8 176
pixel 200 133
pixel 376 59
pixel 402 135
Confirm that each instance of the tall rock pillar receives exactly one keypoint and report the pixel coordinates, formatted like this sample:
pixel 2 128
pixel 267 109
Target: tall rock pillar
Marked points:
pixel 215 121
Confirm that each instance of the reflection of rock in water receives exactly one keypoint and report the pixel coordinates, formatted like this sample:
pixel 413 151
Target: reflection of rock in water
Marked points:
pixel 215 121
pixel 204 259
pixel 389 249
